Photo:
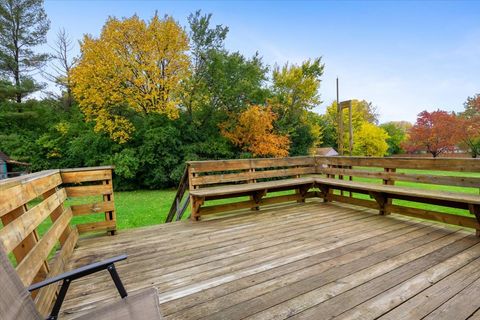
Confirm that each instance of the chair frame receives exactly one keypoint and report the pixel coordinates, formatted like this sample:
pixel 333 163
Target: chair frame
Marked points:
pixel 68 277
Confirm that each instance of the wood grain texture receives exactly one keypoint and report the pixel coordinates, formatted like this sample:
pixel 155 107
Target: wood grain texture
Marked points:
pixel 85 191
pixel 15 232
pixel 32 262
pixel 293 261
pixel 27 189
pixel 86 176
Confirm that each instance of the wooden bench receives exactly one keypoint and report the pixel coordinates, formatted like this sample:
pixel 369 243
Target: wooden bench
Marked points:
pixel 381 174
pixel 26 202
pixel 331 177
pixel 255 178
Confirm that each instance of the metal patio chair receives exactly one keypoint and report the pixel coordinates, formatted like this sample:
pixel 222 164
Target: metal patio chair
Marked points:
pixel 16 302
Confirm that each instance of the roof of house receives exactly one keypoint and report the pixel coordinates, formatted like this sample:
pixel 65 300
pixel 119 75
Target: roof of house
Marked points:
pixel 324 151
pixel 7 159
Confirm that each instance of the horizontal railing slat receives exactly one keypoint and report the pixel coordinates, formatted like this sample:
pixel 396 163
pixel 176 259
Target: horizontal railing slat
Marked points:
pixel 440 164
pixel 472 182
pixel 86 176
pixel 244 164
pixel 85 191
pixel 458 220
pixel 89 208
pixel 108 225
pixel 28 268
pixel 13 233
pixel 245 176
pixel 25 191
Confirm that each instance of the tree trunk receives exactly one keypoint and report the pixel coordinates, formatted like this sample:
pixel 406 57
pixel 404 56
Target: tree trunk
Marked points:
pixel 16 72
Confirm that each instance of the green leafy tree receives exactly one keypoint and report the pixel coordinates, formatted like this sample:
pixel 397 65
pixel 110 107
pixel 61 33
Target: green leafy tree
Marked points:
pixel 295 91
pixel 362 112
pixel 203 41
pixel 469 125
pixel 397 132
pixel 222 84
pixel 370 141
pixel 23 26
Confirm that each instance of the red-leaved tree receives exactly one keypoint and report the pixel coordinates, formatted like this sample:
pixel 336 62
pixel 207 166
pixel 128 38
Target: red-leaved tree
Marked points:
pixel 435 132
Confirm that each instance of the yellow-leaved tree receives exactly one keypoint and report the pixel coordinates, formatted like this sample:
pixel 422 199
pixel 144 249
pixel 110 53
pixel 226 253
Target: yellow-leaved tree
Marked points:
pixel 254 133
pixel 370 141
pixel 133 67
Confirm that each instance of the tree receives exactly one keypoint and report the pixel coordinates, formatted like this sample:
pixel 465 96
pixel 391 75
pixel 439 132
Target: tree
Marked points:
pixel 397 132
pixel 435 132
pixel 7 91
pixel 61 66
pixel 469 125
pixel 23 26
pixel 133 67
pixel 370 141
pixel 254 133
pixel 362 111
pixel 203 41
pixel 295 92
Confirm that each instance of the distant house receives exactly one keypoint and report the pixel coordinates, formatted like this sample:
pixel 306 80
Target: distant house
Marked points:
pixel 9 167
pixel 324 152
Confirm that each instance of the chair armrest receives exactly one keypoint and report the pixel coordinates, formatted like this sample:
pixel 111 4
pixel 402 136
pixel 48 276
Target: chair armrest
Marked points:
pixel 78 273
pixel 69 276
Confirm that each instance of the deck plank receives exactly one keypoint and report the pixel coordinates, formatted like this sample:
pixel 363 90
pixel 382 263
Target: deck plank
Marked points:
pixel 428 300
pixel 297 260
pixel 436 267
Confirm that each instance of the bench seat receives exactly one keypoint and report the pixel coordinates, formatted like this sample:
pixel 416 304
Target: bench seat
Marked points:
pixel 247 188
pixel 402 192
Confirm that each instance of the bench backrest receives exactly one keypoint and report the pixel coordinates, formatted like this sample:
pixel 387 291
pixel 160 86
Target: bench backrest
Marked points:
pixel 441 171
pixel 35 220
pixel 221 172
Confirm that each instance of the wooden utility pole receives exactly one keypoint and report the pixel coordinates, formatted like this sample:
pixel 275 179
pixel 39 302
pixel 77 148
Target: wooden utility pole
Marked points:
pixel 350 128
pixel 340 106
pixel 340 124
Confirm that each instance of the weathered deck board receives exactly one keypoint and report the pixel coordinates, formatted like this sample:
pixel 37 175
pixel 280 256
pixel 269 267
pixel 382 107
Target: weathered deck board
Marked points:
pixel 299 261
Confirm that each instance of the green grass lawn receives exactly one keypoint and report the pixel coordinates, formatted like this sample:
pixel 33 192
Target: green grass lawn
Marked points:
pixel 134 208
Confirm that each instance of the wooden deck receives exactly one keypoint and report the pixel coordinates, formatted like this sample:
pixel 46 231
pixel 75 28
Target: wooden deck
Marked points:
pixel 300 261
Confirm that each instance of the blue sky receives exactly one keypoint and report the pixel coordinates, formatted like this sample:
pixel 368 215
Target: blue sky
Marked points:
pixel 405 57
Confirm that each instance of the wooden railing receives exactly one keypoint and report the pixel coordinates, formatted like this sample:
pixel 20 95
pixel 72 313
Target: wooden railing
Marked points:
pixel 222 173
pixel 95 186
pixel 417 172
pixel 181 200
pixel 36 220
pixel 447 172
pixel 219 172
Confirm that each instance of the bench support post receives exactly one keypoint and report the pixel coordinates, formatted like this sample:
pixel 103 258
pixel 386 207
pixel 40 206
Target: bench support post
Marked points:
pixel 257 197
pixel 381 201
pixel 324 191
pixel 196 204
pixel 475 210
pixel 302 191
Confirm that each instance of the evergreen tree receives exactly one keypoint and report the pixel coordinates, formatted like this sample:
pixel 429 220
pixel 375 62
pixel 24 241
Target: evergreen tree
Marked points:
pixel 23 26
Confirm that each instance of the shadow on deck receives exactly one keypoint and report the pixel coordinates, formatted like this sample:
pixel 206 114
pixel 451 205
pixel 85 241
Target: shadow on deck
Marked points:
pixel 311 260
